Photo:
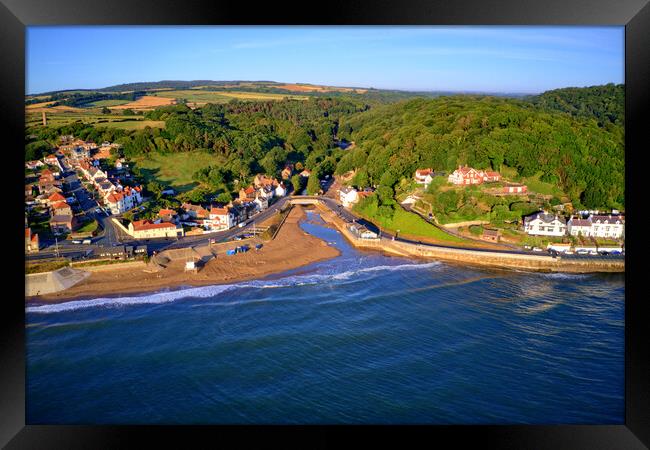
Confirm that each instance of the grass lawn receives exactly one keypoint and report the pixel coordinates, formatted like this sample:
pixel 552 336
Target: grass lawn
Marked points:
pixel 88 227
pixel 175 169
pixel 535 185
pixel 409 225
pixel 46 266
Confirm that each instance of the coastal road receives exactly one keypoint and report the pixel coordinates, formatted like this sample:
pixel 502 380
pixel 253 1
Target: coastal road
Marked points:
pixel 220 236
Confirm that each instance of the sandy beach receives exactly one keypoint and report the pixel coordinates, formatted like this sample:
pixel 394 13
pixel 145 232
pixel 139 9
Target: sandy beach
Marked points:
pixel 291 248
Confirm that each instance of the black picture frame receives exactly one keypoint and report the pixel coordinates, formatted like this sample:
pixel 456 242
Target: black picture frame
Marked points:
pixel 15 15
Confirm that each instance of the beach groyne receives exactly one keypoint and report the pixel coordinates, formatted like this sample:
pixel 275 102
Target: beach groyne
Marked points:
pixel 51 282
pixel 490 258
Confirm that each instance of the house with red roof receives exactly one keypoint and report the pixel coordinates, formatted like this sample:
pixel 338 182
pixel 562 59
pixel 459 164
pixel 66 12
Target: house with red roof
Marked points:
pixel 247 194
pixel 263 181
pixel 468 175
pixel 220 218
pixel 424 176
pixel 146 229
pixel 55 198
pixel 31 241
pixel 61 209
pixel 168 215
pixel 195 211
pixel 34 164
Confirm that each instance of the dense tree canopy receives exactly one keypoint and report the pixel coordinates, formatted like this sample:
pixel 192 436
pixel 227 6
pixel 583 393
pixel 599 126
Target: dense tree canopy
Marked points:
pixel 604 103
pixel 583 159
pixel 581 152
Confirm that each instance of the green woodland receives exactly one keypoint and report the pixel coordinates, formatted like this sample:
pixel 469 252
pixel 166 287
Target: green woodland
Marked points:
pixel 570 139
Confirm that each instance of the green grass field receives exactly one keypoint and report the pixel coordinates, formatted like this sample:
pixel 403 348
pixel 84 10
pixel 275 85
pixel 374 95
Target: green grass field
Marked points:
pixel 203 96
pixel 108 103
pixel 409 225
pixel 175 169
pixel 112 120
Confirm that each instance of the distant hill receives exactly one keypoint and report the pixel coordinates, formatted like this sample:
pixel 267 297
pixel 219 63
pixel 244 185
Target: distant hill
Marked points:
pixel 370 94
pixel 604 103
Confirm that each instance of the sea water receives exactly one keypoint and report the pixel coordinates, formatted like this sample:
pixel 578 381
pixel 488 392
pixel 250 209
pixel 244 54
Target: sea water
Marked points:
pixel 361 338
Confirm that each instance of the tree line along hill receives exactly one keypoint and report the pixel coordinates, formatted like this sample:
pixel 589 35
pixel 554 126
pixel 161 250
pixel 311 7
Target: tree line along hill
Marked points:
pixel 573 138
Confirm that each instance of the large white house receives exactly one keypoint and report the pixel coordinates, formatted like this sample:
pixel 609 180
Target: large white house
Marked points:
pixel 119 202
pixel 543 224
pixel 220 218
pixel 598 226
pixel 144 229
pixel 280 190
pixel 348 196
pixel 423 176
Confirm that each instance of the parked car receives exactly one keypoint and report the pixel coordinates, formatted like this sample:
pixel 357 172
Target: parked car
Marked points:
pixel 76 242
pixel 87 241
pixel 537 249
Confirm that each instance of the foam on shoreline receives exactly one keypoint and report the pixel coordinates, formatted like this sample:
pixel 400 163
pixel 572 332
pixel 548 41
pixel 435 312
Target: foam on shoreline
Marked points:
pixel 213 290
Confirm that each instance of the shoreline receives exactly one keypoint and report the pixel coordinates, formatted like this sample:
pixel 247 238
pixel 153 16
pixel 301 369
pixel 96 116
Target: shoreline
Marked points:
pixel 291 249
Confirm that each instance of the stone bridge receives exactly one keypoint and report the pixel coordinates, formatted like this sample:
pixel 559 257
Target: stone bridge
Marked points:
pixel 304 200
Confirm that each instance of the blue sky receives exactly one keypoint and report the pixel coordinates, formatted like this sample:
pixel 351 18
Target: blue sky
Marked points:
pixel 493 59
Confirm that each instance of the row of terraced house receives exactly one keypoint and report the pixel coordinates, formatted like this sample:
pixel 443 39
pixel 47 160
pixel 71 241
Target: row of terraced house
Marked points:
pixel 218 217
pixel 610 226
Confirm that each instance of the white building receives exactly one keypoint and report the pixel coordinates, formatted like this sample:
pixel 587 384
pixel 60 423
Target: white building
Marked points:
pixel 220 218
pixel 607 226
pixel 423 176
pixel 362 232
pixel 119 202
pixel 348 196
pixel 543 224
pixel 598 226
pixel 261 202
pixel 579 227
pixel 280 190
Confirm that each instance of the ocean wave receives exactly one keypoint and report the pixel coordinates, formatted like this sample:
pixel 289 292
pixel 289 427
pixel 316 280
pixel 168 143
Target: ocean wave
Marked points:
pixel 213 290
pixel 301 280
pixel 158 297
pixel 565 276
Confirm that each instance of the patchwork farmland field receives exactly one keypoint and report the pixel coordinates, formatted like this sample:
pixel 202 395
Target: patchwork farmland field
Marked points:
pixel 202 96
pixel 146 102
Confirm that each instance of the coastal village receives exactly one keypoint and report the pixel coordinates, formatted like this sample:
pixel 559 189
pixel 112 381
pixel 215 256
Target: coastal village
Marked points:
pixel 116 199
pixel 561 230
pixel 86 199
pixel 79 171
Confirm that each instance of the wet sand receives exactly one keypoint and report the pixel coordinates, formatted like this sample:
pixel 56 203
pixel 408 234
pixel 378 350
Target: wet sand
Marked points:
pixel 291 248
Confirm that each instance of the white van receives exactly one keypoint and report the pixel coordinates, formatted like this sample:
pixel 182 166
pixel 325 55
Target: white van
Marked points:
pixel 87 241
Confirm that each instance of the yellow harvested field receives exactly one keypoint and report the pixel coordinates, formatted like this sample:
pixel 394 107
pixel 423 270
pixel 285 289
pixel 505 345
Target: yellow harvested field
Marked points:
pixel 310 88
pixel 146 102
pixel 38 107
